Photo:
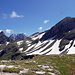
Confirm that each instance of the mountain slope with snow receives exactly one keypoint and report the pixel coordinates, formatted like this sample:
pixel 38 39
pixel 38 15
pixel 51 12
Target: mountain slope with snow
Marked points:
pixel 58 30
pixel 50 47
pixel 60 39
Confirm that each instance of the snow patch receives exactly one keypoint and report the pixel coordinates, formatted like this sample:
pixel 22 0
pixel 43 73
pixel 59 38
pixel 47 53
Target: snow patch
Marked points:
pixel 38 44
pixel 10 66
pixel 37 36
pixel 21 49
pixel 40 36
pixel 4 61
pixel 29 47
pixel 55 48
pixel 28 42
pixel 2 66
pixel 19 43
pixel 7 43
pixel 1 50
pixel 72 49
pixel 40 72
pixel 24 71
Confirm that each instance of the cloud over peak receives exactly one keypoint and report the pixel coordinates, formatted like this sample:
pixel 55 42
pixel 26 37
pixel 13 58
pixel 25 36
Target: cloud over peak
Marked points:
pixel 46 21
pixel 40 28
pixel 15 15
pixel 9 31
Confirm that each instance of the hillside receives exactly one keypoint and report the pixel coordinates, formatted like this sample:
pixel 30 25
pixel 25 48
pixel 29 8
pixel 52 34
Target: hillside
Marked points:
pixel 60 39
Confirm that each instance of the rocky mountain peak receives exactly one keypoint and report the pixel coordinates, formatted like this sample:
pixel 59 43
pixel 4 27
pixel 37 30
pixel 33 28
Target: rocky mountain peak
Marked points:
pixel 20 36
pixel 13 36
pixel 2 32
pixel 61 27
pixel 4 38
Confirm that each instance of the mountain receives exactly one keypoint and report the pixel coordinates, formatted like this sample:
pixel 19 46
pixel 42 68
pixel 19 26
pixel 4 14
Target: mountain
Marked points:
pixel 4 38
pixel 21 36
pixel 60 28
pixel 18 36
pixel 13 36
pixel 60 39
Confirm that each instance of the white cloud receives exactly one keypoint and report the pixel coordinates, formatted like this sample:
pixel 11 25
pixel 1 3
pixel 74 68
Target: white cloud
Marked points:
pixel 40 28
pixel 9 31
pixel 46 21
pixel 15 15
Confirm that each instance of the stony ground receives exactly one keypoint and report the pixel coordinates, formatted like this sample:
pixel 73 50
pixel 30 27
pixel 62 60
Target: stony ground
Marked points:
pixel 2 73
pixel 40 65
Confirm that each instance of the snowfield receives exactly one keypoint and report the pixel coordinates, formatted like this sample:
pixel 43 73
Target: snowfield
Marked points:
pixel 72 49
pixel 37 36
pixel 49 47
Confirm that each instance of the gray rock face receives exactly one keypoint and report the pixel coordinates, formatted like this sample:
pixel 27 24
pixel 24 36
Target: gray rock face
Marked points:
pixel 18 36
pixel 4 38
pixel 21 36
pixel 13 36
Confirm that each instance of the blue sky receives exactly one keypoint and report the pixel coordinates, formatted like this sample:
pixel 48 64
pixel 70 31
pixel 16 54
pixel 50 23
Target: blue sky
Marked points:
pixel 30 16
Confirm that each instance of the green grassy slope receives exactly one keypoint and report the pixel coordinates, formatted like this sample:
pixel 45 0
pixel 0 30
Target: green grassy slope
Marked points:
pixel 59 64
